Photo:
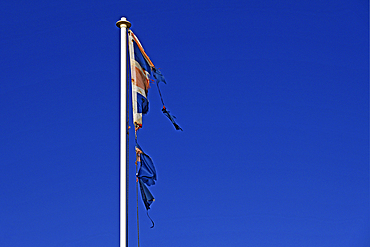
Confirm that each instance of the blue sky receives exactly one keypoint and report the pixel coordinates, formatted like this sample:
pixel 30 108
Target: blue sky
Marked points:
pixel 273 98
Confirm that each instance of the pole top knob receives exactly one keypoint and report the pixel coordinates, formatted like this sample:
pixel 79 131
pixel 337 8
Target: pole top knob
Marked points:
pixel 124 22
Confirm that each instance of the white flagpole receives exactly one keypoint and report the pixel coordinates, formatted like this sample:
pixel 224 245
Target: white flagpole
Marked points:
pixel 123 24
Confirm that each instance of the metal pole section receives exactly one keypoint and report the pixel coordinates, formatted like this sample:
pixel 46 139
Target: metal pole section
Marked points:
pixel 123 24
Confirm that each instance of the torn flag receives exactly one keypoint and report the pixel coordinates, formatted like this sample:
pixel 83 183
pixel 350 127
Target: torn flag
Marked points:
pixel 146 175
pixel 141 70
pixel 146 171
pixel 148 198
pixel 160 78
pixel 140 73
pixel 171 118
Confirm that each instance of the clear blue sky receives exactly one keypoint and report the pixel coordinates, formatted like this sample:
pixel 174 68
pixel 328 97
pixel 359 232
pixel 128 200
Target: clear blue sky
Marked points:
pixel 273 98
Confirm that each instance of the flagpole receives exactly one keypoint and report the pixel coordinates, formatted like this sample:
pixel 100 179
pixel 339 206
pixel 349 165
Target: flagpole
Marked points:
pixel 123 24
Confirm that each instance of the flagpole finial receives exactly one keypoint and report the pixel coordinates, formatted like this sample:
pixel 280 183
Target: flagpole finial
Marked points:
pixel 123 23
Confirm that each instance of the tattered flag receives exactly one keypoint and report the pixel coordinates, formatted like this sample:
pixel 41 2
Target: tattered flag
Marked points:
pixel 146 175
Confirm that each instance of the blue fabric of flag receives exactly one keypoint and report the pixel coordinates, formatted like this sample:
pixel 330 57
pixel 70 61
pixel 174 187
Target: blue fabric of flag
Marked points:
pixel 140 59
pixel 148 198
pixel 146 175
pixel 146 171
pixel 142 104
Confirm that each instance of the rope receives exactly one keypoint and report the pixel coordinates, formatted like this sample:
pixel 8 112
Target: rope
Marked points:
pixel 160 94
pixel 137 199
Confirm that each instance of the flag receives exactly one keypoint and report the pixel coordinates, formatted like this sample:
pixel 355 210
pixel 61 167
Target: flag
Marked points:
pixel 146 175
pixel 160 78
pixel 146 171
pixel 147 197
pixel 141 70
pixel 140 74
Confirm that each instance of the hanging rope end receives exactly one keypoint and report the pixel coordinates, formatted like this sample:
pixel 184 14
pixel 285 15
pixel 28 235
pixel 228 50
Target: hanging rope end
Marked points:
pixel 147 213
